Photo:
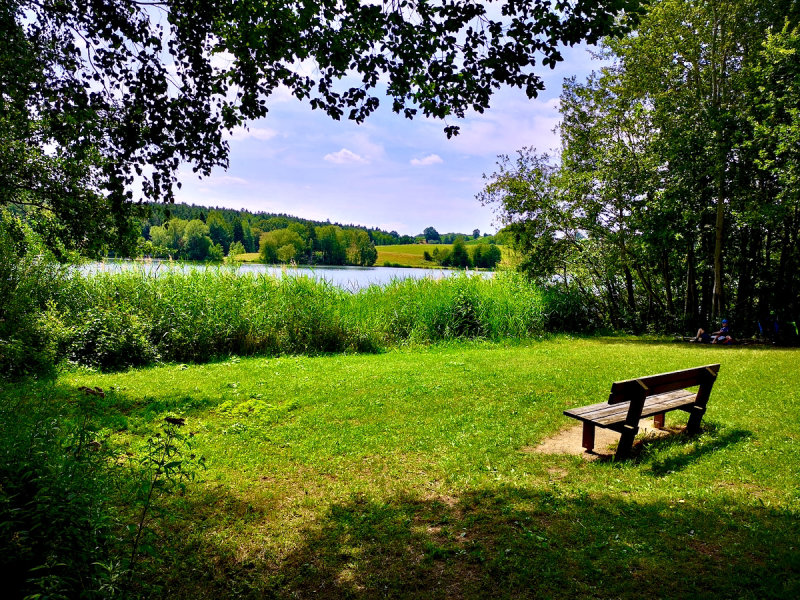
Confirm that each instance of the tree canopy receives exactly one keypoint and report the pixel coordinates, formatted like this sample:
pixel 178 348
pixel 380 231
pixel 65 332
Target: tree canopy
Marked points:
pixel 674 201
pixel 99 98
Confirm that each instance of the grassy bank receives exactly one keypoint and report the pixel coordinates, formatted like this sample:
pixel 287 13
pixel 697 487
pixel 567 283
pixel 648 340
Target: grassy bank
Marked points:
pixel 409 474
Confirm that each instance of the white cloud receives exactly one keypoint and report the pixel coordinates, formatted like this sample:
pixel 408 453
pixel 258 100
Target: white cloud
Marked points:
pixel 344 157
pixel 431 159
pixel 256 133
pixel 227 180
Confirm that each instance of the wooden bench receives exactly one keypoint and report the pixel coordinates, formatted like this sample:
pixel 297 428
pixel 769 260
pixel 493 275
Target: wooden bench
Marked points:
pixel 653 396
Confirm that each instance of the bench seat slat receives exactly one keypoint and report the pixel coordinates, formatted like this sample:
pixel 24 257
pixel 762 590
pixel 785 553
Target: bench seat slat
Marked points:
pixel 605 414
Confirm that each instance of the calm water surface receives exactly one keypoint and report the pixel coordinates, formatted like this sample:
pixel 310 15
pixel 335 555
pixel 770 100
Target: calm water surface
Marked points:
pixel 350 278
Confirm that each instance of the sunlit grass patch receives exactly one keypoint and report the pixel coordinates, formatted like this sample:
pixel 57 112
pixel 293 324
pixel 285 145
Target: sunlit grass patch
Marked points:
pixel 401 474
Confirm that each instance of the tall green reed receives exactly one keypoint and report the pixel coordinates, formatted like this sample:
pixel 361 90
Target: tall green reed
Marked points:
pixel 135 317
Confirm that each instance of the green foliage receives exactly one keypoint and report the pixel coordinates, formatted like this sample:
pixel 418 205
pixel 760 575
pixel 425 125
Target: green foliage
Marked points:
pixel 75 512
pixel 360 249
pixel 674 199
pixel 431 235
pixel 55 514
pixel 236 249
pixel 110 337
pixel 179 238
pixel 216 253
pixel 96 101
pixel 29 278
pixel 486 256
pixel 568 310
pixel 327 245
pixel 459 257
pixel 113 321
pixel 167 464
pixel 427 310
pixel 196 240
pixel 282 245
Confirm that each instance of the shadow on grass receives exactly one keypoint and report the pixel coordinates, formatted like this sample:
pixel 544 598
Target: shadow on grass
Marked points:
pixel 673 453
pixel 507 542
pixel 666 341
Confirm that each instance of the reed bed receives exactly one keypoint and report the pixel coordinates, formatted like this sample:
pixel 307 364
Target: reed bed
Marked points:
pixel 132 318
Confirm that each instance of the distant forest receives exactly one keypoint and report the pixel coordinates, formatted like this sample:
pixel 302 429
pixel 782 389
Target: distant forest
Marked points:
pixel 193 232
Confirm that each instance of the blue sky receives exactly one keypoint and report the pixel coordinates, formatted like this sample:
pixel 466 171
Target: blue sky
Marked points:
pixel 389 172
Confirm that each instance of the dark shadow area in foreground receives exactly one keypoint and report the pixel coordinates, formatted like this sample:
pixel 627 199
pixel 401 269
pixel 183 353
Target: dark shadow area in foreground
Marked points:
pixel 508 543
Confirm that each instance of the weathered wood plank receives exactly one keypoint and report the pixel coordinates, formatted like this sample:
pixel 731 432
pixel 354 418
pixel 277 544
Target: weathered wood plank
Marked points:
pixel 658 384
pixel 588 436
pixel 617 412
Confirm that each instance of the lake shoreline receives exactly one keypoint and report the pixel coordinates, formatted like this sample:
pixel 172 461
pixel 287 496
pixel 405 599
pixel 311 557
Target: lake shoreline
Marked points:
pixel 348 277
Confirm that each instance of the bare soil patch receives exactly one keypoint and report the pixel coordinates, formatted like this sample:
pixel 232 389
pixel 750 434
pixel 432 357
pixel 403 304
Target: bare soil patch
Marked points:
pixel 568 441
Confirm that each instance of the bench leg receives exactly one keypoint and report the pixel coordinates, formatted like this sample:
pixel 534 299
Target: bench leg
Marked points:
pixel 626 442
pixel 588 436
pixel 695 416
pixel 658 421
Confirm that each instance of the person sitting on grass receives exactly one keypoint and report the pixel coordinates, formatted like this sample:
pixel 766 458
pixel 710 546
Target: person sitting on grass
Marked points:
pixel 723 336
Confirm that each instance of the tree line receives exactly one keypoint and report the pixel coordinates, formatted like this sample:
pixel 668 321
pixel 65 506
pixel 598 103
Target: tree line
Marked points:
pixel 481 255
pixel 226 226
pixel 326 245
pixel 675 199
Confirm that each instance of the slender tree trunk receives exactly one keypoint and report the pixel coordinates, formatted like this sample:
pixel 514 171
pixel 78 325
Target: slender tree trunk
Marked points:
pixel 613 311
pixel 691 305
pixel 745 301
pixel 780 282
pixel 629 288
pixel 717 297
pixel 668 283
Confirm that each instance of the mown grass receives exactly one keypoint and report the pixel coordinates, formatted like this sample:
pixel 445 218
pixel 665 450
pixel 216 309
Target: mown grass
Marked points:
pixel 407 474
pixel 408 255
pixel 250 257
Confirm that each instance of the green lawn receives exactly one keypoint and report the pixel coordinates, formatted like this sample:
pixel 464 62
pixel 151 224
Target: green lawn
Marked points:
pixel 405 474
pixel 407 255
pixel 411 255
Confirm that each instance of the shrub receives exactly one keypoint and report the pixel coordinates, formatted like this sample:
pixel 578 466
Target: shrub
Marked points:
pixel 566 310
pixel 29 277
pixel 111 338
pixel 54 519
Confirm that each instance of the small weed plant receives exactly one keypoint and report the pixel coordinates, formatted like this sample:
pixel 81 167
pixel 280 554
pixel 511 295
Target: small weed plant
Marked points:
pixel 166 466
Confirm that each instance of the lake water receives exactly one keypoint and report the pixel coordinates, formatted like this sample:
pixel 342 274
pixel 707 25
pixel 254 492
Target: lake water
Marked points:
pixel 349 278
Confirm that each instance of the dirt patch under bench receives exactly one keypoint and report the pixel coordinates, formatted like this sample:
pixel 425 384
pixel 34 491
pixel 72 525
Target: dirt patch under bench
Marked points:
pixel 568 441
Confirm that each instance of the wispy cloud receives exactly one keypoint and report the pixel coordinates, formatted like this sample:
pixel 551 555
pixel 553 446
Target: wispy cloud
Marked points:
pixel 256 133
pixel 344 157
pixel 431 159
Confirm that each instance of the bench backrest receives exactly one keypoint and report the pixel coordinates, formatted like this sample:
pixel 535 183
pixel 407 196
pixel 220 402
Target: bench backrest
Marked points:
pixel 622 391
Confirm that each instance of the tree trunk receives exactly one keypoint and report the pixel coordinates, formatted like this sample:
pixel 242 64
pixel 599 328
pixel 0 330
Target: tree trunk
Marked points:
pixel 668 284
pixel 629 287
pixel 717 297
pixel 691 305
